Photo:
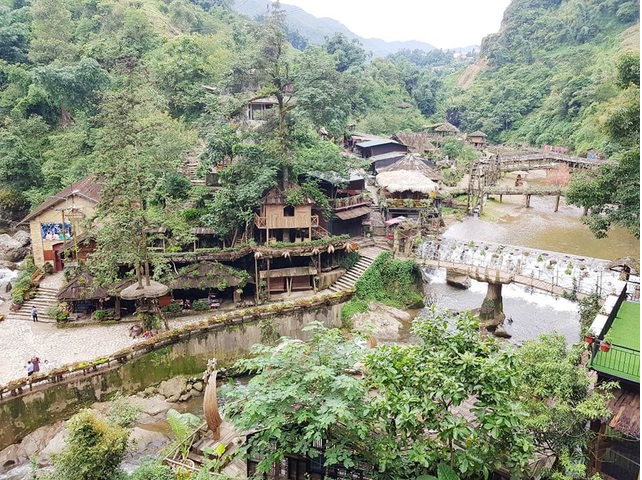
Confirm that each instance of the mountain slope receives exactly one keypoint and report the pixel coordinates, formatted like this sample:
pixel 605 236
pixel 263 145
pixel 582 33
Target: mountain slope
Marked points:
pixel 549 74
pixel 316 29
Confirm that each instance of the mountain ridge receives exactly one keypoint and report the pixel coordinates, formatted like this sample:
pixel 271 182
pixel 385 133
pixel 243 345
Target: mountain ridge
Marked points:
pixel 315 29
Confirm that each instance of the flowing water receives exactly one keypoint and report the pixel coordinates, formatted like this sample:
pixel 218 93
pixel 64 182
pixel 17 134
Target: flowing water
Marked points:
pixel 510 223
pixel 531 312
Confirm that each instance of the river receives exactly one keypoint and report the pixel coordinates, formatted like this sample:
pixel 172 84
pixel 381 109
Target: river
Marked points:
pixel 539 227
pixel 510 222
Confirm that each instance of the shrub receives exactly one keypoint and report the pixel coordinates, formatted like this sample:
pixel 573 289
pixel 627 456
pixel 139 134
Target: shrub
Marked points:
pixel 173 308
pixel 199 305
pixel 47 268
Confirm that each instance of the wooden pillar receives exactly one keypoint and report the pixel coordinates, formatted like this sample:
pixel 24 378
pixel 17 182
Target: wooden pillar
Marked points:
pixel 500 198
pixel 557 203
pixel 585 212
pixel 267 279
pixel 528 201
pixel 257 279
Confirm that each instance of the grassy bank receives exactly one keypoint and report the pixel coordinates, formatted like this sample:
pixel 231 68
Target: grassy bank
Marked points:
pixel 390 281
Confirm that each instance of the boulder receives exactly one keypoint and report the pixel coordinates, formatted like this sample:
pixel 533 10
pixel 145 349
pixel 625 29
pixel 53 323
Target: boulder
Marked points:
pixel 12 250
pixel 22 237
pixel 146 442
pixel 387 321
pixel 173 388
pixel 40 443
pixel 501 332
pixel 198 386
pixel 457 280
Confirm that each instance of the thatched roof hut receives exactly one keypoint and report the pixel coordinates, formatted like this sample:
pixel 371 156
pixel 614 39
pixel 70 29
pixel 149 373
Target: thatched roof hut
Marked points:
pixel 137 292
pixel 207 275
pixel 446 128
pixel 417 142
pixel 406 181
pixel 83 288
pixel 414 164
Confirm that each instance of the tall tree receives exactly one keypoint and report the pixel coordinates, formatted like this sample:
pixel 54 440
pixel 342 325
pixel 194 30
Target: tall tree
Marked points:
pixel 613 195
pixel 136 144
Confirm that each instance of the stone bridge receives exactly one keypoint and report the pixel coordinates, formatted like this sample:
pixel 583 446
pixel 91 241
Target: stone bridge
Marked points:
pixel 552 272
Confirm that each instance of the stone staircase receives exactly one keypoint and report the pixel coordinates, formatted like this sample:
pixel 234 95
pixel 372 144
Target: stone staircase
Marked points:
pixel 348 279
pixel 45 297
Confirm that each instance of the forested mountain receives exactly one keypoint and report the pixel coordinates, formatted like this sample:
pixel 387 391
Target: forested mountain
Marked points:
pixel 307 29
pixel 549 75
pixel 84 83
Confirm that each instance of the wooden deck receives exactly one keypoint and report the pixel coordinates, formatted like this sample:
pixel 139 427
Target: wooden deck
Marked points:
pixel 231 440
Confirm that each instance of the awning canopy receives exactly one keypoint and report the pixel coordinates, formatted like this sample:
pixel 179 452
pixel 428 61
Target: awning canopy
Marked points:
pixel 353 213
pixel 396 220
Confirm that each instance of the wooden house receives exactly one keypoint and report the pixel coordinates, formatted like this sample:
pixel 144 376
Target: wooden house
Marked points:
pixel 477 139
pixel 411 189
pixel 349 201
pixel 446 130
pixel 280 222
pixel 372 148
pixel 56 224
pixel 420 143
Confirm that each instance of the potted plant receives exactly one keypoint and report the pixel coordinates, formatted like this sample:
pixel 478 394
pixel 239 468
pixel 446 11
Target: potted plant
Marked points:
pixel 589 338
pixel 605 344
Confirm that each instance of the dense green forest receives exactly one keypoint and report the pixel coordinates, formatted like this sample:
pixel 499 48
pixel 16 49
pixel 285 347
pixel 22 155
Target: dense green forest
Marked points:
pixel 89 85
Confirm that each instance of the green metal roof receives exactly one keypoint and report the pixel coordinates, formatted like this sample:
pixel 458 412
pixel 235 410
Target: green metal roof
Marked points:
pixel 623 359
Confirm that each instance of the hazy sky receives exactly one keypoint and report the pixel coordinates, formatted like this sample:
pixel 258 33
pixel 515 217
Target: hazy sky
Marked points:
pixel 442 23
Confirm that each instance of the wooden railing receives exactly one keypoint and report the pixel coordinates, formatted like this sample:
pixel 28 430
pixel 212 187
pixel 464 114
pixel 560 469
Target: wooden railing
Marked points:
pixel 287 222
pixel 351 201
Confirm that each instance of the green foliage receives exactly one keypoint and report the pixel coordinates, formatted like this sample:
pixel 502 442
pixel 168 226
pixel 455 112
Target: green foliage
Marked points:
pixel 557 394
pixel 200 305
pixel 421 388
pixel 301 394
pixel 391 281
pixel 94 449
pixel 122 413
pixel 152 469
pixel 349 260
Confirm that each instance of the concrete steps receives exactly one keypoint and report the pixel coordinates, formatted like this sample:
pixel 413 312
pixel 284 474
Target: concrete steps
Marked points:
pixel 348 279
pixel 45 297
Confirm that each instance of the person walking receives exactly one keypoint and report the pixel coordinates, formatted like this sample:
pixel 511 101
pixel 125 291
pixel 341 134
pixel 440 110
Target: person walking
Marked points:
pixel 34 313
pixel 29 368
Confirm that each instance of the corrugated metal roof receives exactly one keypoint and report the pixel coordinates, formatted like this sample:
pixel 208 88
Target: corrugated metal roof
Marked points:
pixel 374 143
pixel 87 188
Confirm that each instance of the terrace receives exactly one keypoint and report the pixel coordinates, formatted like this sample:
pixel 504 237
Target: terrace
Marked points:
pixel 620 324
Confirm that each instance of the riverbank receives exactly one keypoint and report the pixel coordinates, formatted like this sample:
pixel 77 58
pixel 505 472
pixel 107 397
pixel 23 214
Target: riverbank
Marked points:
pixel 509 222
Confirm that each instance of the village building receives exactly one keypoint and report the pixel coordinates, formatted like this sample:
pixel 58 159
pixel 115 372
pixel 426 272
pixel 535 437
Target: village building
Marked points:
pixel 420 143
pixel 410 190
pixel 349 202
pixel 445 130
pixel 56 224
pixel 477 139
pixel 614 342
pixel 371 148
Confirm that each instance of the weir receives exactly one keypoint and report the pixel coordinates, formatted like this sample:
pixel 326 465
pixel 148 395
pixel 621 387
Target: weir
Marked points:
pixel 495 264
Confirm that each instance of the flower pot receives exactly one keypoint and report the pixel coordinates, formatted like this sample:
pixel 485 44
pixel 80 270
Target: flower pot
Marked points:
pixel 588 339
pixel 605 347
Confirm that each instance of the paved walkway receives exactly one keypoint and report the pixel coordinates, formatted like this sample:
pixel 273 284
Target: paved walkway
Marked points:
pixel 22 339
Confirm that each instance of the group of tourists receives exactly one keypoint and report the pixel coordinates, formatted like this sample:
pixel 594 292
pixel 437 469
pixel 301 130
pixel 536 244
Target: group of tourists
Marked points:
pixel 33 366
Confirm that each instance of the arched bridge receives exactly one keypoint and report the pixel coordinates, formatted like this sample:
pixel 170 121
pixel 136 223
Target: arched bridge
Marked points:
pixel 553 272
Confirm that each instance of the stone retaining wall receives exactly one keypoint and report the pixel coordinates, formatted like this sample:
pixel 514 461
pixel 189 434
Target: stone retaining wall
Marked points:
pixel 180 352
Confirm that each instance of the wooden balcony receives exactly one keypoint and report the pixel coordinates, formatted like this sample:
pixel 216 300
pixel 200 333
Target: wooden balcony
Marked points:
pixel 351 201
pixel 286 222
